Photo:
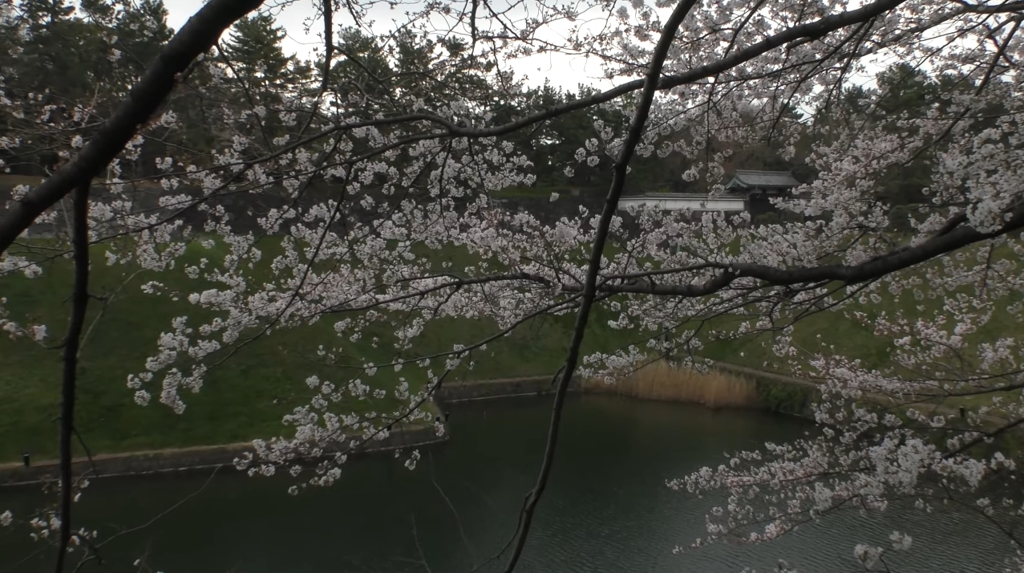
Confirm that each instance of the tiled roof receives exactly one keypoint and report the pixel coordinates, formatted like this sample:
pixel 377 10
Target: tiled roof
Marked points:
pixel 747 178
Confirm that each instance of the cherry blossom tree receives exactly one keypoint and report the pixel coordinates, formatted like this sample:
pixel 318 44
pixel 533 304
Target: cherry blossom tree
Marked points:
pixel 369 176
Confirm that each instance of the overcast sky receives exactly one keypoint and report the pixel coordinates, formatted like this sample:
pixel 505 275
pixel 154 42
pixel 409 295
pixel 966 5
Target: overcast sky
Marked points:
pixel 561 71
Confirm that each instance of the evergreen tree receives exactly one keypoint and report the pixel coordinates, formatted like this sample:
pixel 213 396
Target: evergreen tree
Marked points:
pixel 257 59
pixel 53 52
pixel 43 14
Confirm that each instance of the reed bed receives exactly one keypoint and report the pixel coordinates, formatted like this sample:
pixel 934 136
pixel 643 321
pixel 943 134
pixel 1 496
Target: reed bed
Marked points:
pixel 665 381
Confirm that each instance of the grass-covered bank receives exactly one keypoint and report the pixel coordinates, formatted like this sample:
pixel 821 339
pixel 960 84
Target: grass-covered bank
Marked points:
pixel 857 339
pixel 242 399
pixel 246 397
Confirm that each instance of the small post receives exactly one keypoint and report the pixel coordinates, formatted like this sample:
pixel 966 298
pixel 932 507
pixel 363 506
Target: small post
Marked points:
pixel 25 459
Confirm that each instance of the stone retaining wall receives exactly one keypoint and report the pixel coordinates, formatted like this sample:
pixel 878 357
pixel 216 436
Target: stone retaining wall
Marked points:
pixel 182 459
pixel 501 388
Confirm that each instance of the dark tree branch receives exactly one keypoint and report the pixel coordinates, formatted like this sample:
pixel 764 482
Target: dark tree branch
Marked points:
pixel 944 242
pixel 79 302
pixel 896 260
pixel 195 38
pixel 328 9
pixel 328 6
pixel 997 9
pixel 636 130
pixel 984 436
pixel 710 286
pixel 882 265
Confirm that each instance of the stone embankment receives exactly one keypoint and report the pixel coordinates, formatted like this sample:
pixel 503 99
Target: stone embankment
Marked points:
pixel 184 459
pixel 464 391
pixel 739 388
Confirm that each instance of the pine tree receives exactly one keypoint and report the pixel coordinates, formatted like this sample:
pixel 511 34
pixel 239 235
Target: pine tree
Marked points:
pixel 45 13
pixel 256 57
pixel 52 53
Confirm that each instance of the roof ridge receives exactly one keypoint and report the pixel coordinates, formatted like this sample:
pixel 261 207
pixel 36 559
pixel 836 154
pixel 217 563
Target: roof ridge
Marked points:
pixel 763 178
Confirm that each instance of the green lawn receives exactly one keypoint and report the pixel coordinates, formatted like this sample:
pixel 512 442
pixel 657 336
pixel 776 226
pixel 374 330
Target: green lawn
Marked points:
pixel 243 399
pixel 8 181
pixel 246 397
pixel 856 339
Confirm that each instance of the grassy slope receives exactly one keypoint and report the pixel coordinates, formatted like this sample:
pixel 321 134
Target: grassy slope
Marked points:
pixel 856 339
pixel 247 396
pixel 8 181
pixel 242 400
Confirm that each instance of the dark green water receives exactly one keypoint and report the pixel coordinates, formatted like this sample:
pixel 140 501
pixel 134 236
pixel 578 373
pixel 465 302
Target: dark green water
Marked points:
pixel 607 508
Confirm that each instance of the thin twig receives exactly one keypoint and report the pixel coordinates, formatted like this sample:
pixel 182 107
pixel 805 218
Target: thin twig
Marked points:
pixel 451 506
pixel 165 512
pixel 88 454
pixel 416 540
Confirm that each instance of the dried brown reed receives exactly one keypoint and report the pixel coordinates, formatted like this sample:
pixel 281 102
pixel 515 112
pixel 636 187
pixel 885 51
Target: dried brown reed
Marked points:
pixel 665 381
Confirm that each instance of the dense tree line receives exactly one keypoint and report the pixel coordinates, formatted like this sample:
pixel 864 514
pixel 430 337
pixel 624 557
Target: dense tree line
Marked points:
pixel 71 64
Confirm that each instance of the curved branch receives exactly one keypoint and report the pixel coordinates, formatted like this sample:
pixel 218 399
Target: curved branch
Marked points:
pixel 636 130
pixel 195 38
pixel 890 262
